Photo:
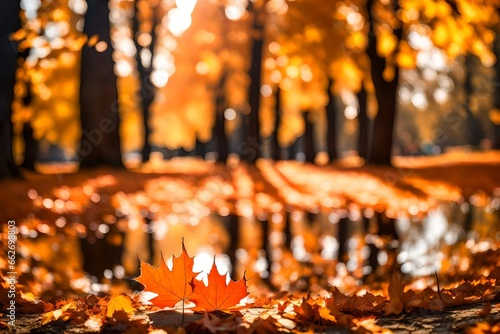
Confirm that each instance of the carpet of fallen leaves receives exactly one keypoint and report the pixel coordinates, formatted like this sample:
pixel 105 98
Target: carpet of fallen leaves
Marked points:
pixel 265 311
pixel 54 212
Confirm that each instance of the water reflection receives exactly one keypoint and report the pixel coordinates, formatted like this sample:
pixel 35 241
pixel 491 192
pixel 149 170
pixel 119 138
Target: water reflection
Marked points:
pixel 300 249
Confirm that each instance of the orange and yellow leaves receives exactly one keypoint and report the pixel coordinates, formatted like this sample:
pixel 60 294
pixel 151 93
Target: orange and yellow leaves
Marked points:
pixel 218 295
pixel 406 57
pixel 356 41
pixel 172 286
pixel 119 303
pixel 179 284
pixel 387 42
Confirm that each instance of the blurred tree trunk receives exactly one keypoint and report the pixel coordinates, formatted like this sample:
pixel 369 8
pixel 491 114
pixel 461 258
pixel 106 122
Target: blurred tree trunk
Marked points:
pixel 287 229
pixel 309 151
pixel 30 147
pixel 232 223
pixel 331 115
pixel 363 125
pixel 100 142
pixel 343 237
pixel 294 148
pixel 474 128
pixel 266 247
pixel 10 22
pixel 251 147
pixel 200 148
pixel 386 94
pixel 275 145
pixel 30 143
pixel 147 89
pixel 496 93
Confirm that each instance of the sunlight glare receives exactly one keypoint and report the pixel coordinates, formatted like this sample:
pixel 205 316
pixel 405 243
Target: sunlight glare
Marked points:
pixel 350 112
pixel 178 21
pixel 235 11
pixel 419 100
pixel 159 78
pixel 229 114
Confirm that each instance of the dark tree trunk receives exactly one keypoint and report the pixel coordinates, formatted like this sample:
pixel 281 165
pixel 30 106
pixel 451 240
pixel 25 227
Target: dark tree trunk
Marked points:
pixel 469 219
pixel 100 142
pixel 311 218
pixel 147 89
pixel 343 236
pixel 275 145
pixel 496 93
pixel 373 257
pixel 291 151
pixel 30 143
pixel 30 147
pixel 474 129
pixel 363 125
pixel 266 247
pixel 251 148
pixel 386 94
pixel 233 228
pixel 387 226
pixel 309 150
pixel 288 230
pixel 331 115
pixel 108 253
pixel 9 18
pixel 200 148
pixel 387 230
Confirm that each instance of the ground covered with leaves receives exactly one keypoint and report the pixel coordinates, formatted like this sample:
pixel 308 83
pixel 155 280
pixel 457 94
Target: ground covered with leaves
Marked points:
pixel 55 213
pixel 470 306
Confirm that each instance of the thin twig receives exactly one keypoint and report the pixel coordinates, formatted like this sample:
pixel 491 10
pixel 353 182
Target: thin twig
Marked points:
pixel 437 282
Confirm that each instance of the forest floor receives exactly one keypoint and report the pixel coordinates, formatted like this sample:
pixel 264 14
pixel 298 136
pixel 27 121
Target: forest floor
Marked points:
pixel 56 208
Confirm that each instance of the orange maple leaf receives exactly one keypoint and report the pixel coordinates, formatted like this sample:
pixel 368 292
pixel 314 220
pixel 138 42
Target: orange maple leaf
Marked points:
pixel 172 286
pixel 218 295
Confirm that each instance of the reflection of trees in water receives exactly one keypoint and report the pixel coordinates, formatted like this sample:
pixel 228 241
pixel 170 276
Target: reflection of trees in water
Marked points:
pixel 324 245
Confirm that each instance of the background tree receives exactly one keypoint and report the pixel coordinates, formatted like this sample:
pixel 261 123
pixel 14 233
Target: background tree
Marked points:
pixel 100 142
pixel 252 139
pixel 495 112
pixel 45 109
pixel 145 52
pixel 385 80
pixel 9 16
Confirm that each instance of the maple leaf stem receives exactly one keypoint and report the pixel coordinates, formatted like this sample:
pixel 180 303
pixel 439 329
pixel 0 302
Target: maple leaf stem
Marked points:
pixel 183 309
pixel 437 282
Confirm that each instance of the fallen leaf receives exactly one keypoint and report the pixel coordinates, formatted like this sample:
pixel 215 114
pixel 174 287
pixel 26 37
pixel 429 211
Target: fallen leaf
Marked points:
pixel 120 323
pixel 172 286
pixel 61 313
pixel 218 295
pixel 396 290
pixel 307 313
pixel 119 303
pixel 268 325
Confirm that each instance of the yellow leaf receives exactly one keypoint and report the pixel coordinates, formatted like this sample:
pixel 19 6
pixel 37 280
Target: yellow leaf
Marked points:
pixel 119 303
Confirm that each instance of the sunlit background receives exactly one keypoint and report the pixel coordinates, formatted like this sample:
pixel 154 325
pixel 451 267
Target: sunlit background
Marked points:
pixel 285 222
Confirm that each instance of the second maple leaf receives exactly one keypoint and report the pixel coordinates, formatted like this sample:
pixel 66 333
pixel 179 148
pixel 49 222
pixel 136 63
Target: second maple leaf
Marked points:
pixel 217 295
